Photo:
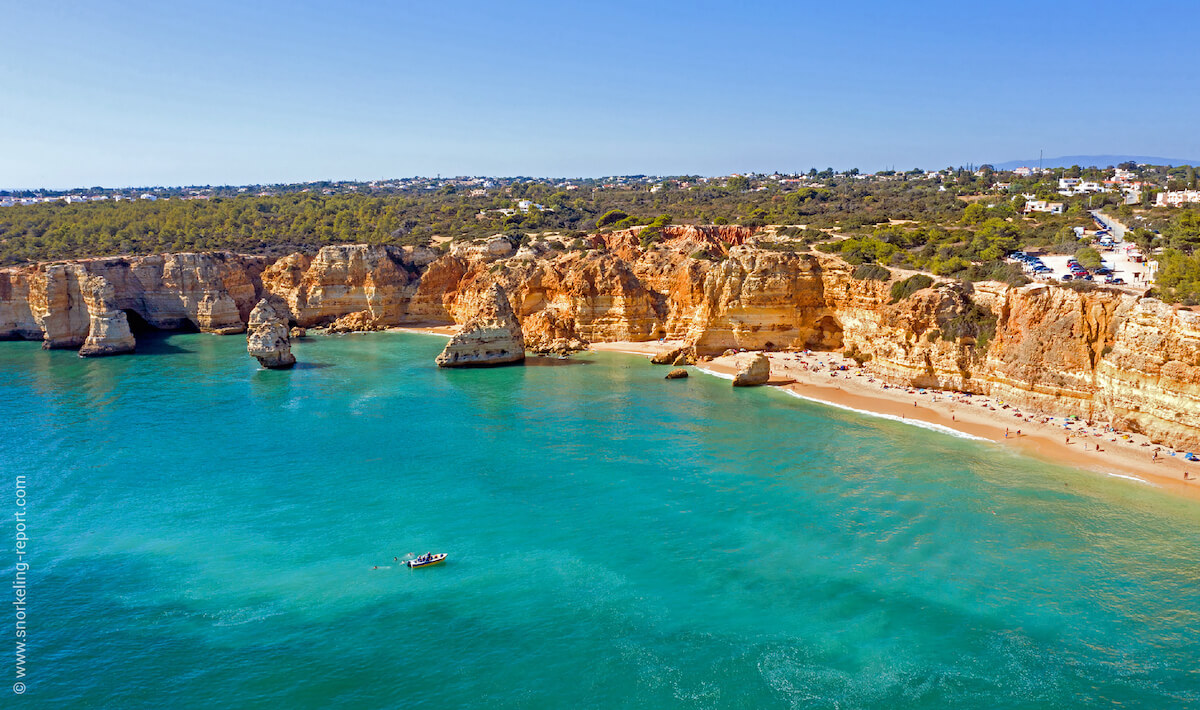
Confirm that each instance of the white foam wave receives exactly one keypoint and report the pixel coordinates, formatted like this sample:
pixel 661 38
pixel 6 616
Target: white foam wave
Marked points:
pixel 903 420
pixel 1128 477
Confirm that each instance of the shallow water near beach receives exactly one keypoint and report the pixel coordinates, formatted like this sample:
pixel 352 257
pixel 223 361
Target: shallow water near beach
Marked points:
pixel 205 534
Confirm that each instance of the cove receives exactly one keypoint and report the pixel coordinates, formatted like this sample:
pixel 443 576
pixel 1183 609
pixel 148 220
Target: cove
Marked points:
pixel 204 534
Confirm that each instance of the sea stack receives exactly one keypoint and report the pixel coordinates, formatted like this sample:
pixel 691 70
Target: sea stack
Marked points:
pixel 267 337
pixel 492 336
pixel 752 369
pixel 108 330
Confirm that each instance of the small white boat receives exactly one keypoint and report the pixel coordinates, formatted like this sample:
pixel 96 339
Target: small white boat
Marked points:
pixel 427 560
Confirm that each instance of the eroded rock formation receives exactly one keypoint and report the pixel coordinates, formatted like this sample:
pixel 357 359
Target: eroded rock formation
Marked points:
pixel 212 293
pixel 1102 354
pixel 357 322
pixel 492 336
pixel 267 337
pixel 753 369
pixel 108 328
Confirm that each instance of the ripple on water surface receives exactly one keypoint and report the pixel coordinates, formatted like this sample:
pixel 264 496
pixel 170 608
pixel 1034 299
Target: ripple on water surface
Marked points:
pixel 210 534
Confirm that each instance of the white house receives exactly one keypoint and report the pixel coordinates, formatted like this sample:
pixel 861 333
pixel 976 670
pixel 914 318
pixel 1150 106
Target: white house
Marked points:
pixel 1044 206
pixel 1176 198
pixel 148 196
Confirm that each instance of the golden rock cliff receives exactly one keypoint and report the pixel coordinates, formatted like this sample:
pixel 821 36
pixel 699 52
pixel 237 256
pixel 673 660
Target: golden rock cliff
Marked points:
pixel 1102 354
pixel 63 303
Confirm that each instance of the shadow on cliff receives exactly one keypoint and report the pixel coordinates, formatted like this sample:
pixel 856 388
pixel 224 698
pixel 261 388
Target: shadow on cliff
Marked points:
pixel 153 341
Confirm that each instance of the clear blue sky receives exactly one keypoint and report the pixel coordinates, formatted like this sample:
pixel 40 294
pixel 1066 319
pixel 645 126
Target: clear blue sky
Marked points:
pixel 168 93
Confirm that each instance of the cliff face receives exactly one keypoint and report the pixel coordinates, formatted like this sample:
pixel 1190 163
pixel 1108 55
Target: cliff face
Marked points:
pixel 17 321
pixel 1150 380
pixel 1100 354
pixel 340 280
pixel 65 305
pixel 108 326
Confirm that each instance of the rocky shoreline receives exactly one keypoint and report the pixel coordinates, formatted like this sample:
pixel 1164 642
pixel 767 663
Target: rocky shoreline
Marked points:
pixel 1104 355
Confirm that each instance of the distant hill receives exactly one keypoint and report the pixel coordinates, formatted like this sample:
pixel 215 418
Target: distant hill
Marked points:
pixel 1087 161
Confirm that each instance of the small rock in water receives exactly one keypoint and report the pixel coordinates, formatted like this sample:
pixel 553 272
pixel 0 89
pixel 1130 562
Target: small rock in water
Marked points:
pixel 492 336
pixel 267 336
pixel 677 374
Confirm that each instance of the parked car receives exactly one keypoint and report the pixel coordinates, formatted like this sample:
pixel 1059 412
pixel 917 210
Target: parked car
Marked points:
pixel 1103 271
pixel 1114 280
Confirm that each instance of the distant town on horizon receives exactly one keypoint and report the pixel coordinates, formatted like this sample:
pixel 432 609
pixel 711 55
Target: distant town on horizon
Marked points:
pixel 1081 161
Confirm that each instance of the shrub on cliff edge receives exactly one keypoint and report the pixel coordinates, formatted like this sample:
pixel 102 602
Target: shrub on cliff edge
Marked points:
pixel 871 272
pixel 903 289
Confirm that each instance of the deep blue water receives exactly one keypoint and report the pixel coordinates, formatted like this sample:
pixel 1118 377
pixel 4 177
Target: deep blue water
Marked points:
pixel 204 534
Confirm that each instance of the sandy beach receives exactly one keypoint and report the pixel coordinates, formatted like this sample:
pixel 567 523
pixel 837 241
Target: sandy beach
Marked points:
pixel 836 380
pixel 645 347
pixel 442 330
pixel 832 379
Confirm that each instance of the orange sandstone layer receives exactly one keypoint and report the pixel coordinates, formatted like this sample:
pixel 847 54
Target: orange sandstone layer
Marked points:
pixel 1104 355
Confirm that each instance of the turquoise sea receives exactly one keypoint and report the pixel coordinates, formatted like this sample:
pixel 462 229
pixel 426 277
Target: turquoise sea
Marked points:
pixel 204 534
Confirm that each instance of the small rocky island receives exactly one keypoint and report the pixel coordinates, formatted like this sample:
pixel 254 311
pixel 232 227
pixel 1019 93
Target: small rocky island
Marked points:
pixel 268 338
pixel 491 337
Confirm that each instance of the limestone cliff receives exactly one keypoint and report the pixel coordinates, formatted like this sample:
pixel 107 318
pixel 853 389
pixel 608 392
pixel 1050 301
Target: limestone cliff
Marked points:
pixel 1102 354
pixel 346 279
pixel 108 328
pixel 17 321
pixel 57 304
